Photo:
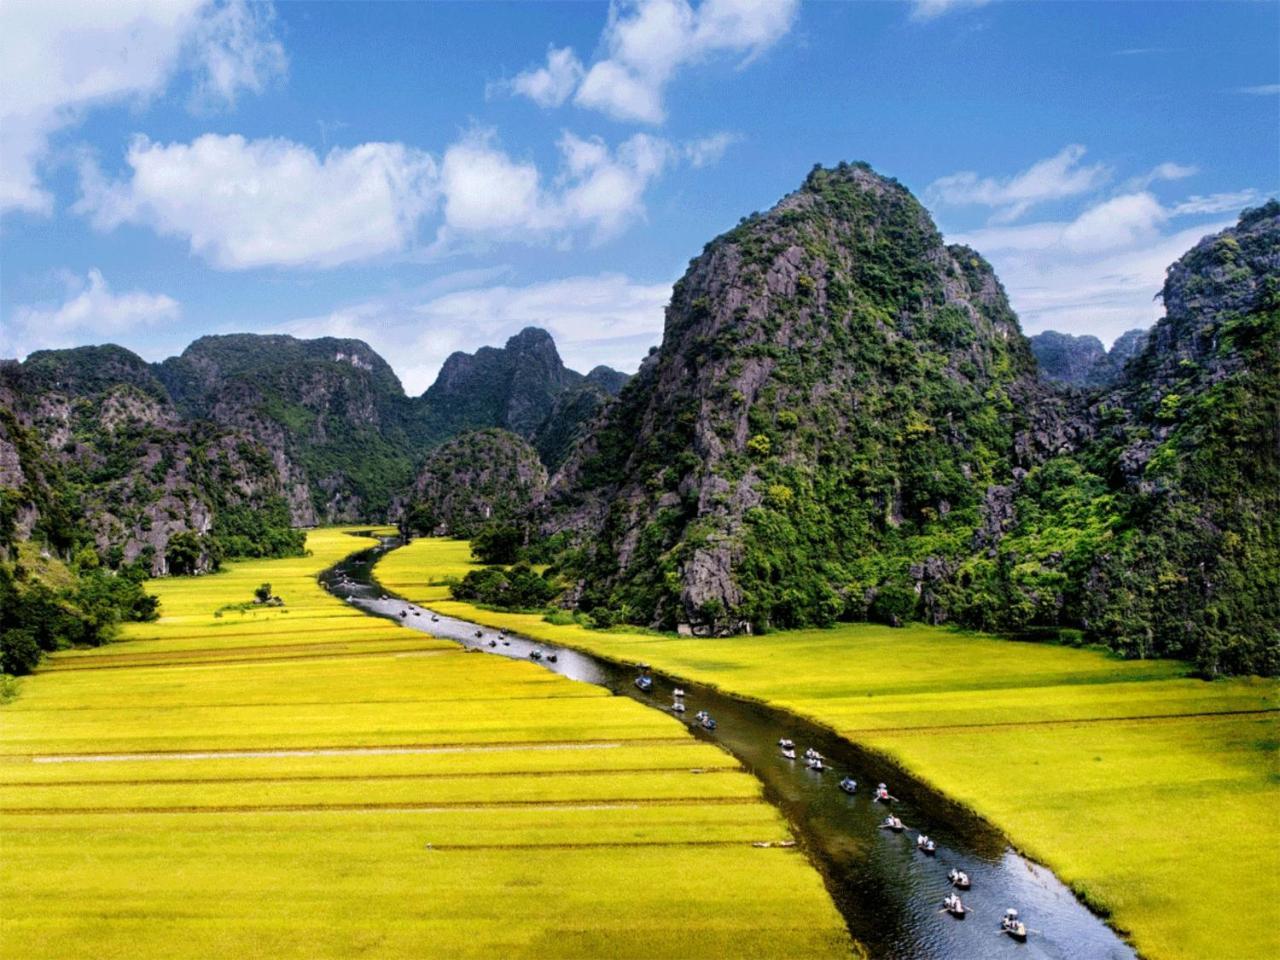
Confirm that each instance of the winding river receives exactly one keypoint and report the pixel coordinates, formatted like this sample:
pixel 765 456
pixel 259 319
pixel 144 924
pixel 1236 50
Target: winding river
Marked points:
pixel 889 893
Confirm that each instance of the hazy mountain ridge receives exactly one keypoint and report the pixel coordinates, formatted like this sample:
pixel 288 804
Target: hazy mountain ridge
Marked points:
pixel 1082 361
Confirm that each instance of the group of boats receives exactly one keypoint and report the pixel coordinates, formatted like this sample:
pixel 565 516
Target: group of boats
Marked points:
pixel 644 683
pixel 1010 923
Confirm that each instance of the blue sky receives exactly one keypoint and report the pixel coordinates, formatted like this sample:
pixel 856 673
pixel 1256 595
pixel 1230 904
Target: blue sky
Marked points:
pixel 435 176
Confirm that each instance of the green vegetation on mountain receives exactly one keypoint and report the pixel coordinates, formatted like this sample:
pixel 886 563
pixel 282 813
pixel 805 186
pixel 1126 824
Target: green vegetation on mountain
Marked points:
pixel 844 422
pixel 1082 361
pixel 480 477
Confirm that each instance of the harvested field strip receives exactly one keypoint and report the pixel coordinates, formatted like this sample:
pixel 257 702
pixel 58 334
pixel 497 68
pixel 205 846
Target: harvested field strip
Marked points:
pixel 1023 724
pixel 365 778
pixel 569 804
pixel 181 656
pixel 265 658
pixel 341 751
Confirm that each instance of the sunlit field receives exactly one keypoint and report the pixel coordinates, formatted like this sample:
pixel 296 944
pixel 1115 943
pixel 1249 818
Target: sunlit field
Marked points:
pixel 1153 794
pixel 309 781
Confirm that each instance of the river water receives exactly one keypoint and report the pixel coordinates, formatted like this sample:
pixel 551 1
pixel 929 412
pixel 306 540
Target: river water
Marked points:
pixel 889 893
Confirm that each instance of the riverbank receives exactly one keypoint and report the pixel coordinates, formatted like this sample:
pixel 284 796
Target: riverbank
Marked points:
pixel 310 781
pixel 1151 793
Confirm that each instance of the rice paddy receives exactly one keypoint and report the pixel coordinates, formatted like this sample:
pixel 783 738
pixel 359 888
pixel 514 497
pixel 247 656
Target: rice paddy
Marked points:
pixel 309 781
pixel 1155 795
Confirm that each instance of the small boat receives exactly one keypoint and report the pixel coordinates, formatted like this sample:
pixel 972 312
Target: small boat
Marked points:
pixel 789 752
pixel 552 658
pixel 493 643
pixel 506 643
pixel 883 795
pixel 849 785
pixel 677 707
pixel 893 823
pixel 677 692
pixel 810 753
pixel 479 634
pixel 959 879
pixel 708 723
pixel 403 614
pixel 815 764
pixel 644 684
pixel 1014 927
pixel 416 613
pixel 535 654
pixel 786 744
pixel 954 906
pixel 925 845
pixel 434 618
pixel 383 597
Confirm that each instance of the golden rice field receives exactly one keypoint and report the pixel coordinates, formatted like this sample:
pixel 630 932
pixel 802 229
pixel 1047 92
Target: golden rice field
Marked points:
pixel 1155 795
pixel 312 782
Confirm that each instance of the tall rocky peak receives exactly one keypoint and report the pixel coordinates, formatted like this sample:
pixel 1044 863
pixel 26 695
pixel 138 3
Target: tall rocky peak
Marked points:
pixel 1225 276
pixel 832 379
pixel 513 387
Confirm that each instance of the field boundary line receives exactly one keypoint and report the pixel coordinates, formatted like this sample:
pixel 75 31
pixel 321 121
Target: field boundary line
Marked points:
pixel 1015 724
pixel 568 803
pixel 270 753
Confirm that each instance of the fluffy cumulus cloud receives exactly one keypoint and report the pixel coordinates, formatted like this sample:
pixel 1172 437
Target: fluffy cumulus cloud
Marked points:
pixel 61 58
pixel 607 319
pixel 246 203
pixel 91 313
pixel 646 42
pixel 241 204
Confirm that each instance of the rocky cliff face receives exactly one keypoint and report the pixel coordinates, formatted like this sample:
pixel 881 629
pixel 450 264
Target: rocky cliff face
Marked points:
pixel 91 448
pixel 1082 361
pixel 834 394
pixel 484 476
pixel 332 412
pixel 522 387
pixel 844 421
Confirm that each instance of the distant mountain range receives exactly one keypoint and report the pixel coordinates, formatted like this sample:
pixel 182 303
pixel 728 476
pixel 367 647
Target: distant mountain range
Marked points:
pixel 843 421
pixel 320 430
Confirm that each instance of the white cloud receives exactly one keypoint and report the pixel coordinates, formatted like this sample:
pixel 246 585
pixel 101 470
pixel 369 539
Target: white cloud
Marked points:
pixel 247 203
pixel 609 319
pixel 647 42
pixel 550 86
pixel 1100 272
pixel 235 50
pixel 708 150
pixel 61 58
pixel 1053 178
pixel 1217 203
pixel 1161 172
pixel 91 313
pixel 488 195
pixel 932 9
pixel 242 203
pixel 1263 90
